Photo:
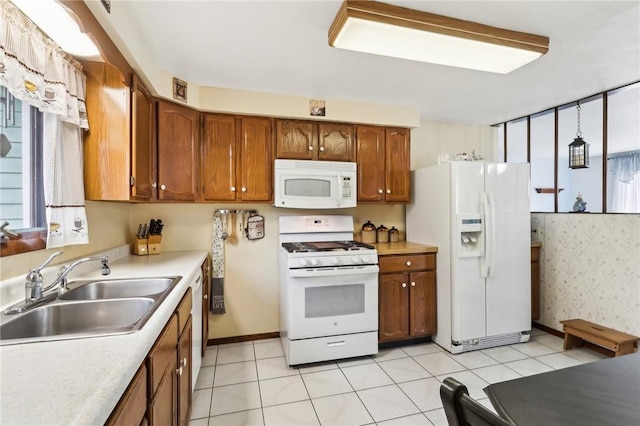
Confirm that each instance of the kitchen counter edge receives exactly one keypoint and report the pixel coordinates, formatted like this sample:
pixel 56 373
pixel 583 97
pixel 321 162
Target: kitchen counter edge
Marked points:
pixel 403 247
pixel 80 381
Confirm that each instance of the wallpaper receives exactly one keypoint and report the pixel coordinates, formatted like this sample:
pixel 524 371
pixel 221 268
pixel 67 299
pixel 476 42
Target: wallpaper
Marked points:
pixel 590 269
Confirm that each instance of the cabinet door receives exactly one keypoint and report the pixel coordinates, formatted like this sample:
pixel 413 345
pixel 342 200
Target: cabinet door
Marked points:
pixel 422 303
pixel 206 280
pixel 335 142
pixel 296 140
pixel 133 404
pixel 397 174
pixel 142 146
pixel 256 156
pixel 177 152
pixel 393 302
pixel 162 407
pixel 219 158
pixel 370 155
pixel 184 374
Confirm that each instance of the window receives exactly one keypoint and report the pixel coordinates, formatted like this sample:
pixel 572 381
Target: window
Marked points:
pixel 609 124
pixel 21 186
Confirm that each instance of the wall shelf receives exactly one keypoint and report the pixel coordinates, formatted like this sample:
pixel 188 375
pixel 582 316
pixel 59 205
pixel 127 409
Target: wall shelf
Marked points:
pixel 548 190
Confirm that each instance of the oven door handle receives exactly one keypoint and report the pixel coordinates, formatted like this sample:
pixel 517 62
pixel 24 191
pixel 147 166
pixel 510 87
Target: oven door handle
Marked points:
pixel 329 272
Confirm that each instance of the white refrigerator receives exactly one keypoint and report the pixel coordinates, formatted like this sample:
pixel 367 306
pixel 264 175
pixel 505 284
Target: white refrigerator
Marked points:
pixel 477 214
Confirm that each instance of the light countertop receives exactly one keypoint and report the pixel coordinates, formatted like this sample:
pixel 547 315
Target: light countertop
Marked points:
pixel 80 381
pixel 403 247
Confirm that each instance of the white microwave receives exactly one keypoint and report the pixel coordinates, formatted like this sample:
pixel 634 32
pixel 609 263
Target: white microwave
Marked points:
pixel 306 184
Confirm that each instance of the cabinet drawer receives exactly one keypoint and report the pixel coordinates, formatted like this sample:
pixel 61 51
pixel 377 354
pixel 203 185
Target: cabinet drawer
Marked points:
pixel 535 254
pixel 405 263
pixel 162 353
pixel 184 310
pixel 133 404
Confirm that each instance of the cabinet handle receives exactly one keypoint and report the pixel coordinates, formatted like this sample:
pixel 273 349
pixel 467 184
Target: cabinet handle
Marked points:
pixel 310 148
pixel 413 284
pixel 244 189
pixel 322 149
pixel 233 189
pixel 184 362
pixel 154 185
pixel 380 191
pixel 205 297
pixel 163 187
pixel 408 263
pixel 388 191
pixel 179 371
pixel 404 285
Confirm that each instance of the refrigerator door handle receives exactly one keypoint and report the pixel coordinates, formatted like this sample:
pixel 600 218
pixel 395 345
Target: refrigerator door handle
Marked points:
pixel 486 267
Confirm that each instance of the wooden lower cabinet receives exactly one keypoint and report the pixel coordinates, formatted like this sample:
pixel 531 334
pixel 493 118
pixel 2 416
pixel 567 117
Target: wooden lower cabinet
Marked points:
pixel 206 279
pixel 535 283
pixel 160 392
pixel 407 297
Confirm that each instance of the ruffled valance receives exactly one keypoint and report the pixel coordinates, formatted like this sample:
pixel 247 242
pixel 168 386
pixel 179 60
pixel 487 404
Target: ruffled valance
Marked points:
pixel 625 165
pixel 35 70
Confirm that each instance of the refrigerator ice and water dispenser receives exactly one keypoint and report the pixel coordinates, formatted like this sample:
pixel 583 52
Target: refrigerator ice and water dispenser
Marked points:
pixel 471 241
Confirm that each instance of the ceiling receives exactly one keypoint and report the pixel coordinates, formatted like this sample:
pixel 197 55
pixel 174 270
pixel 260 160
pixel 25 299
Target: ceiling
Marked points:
pixel 281 47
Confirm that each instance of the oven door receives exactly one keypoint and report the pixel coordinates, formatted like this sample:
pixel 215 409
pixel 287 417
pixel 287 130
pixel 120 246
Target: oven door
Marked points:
pixel 332 301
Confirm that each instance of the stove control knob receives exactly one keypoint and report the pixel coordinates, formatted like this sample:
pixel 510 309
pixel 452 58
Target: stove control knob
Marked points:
pixel 303 262
pixel 355 259
pixel 335 260
pixel 314 261
pixel 365 259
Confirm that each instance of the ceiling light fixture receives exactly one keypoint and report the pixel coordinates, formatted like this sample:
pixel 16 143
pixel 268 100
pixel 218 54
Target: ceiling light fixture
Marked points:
pixel 53 20
pixel 383 29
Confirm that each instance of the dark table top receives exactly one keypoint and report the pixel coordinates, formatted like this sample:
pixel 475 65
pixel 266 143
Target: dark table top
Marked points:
pixel 605 392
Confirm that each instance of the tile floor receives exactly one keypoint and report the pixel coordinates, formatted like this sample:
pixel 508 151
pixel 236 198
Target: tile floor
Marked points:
pixel 250 383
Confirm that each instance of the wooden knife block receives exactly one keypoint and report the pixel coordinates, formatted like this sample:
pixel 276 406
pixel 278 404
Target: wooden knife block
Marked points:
pixel 154 244
pixel 140 246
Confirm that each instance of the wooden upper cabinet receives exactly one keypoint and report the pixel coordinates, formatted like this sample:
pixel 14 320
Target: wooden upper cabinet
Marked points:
pixel 308 140
pixel 397 174
pixel 237 158
pixel 335 142
pixel 142 144
pixel 219 158
pixel 178 149
pixel 383 164
pixel 256 159
pixel 296 139
pixel 370 154
pixel 107 150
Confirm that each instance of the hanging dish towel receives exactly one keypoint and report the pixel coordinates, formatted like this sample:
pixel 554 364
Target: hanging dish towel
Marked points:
pixel 217 268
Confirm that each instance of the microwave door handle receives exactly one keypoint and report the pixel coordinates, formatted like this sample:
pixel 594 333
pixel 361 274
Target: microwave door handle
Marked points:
pixel 339 189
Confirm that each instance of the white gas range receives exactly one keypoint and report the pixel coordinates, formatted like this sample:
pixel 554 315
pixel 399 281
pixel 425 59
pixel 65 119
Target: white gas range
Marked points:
pixel 328 290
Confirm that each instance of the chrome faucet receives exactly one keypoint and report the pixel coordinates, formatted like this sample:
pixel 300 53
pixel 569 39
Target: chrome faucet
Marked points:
pixel 33 283
pixel 64 271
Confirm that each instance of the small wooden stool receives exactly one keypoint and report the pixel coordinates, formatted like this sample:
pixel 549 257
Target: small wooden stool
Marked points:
pixel 576 331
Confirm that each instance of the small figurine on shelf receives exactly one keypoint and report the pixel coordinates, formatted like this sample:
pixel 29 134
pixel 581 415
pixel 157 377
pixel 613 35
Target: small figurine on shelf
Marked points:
pixel 580 205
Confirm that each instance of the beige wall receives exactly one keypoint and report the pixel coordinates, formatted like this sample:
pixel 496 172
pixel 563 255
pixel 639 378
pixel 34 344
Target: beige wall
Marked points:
pixel 109 226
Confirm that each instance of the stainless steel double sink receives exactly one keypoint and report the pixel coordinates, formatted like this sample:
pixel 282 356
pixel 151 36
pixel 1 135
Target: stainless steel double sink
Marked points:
pixel 90 308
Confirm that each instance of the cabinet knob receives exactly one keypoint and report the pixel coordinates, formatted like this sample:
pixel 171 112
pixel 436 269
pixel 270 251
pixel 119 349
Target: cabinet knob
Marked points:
pixel 310 148
pixel 154 185
pixel 179 371
pixel 233 189
pixel 408 263
pixel 163 187
pixel 413 284
pixel 205 297
pixel 322 149
pixel 388 191
pixel 380 191
pixel 184 360
pixel 244 189
pixel 404 285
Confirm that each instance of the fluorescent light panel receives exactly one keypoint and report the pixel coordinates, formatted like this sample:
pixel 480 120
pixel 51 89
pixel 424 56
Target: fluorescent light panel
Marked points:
pixel 56 23
pixel 378 28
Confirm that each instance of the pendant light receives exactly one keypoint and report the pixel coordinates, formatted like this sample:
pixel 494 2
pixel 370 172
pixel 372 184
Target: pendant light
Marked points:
pixel 578 149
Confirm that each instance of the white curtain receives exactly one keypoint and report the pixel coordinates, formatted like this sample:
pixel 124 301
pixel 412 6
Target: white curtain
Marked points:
pixel 624 168
pixel 35 70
